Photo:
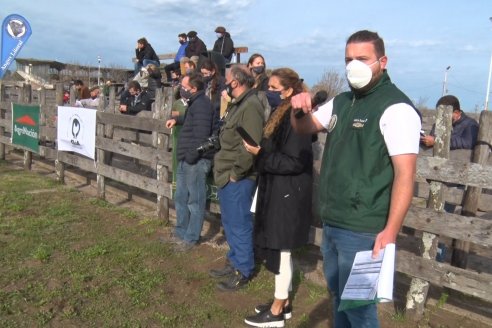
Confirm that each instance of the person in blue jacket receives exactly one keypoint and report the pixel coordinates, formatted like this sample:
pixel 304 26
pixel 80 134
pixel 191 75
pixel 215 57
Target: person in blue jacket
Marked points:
pixel 175 66
pixel 465 129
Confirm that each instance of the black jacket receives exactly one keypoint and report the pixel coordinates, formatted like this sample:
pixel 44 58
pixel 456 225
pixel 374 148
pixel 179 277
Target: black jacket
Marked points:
pixel 283 208
pixel 136 104
pixel 195 48
pixel 464 134
pixel 225 46
pixel 197 127
pixel 146 52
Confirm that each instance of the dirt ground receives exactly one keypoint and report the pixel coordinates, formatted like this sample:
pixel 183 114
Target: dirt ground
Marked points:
pixel 316 313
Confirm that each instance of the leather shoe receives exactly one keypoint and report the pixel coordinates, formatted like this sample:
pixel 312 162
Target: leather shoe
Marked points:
pixel 226 271
pixel 235 282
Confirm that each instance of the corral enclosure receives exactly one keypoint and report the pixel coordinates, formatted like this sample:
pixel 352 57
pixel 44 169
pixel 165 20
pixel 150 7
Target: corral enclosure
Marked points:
pixel 134 154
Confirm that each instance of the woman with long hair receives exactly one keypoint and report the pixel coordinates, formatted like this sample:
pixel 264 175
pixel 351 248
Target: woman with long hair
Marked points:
pixel 257 66
pixel 284 162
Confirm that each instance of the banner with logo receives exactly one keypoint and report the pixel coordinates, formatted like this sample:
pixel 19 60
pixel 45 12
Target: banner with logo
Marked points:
pixel 15 32
pixel 25 126
pixel 76 130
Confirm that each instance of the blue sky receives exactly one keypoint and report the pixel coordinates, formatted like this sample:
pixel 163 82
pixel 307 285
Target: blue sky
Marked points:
pixel 422 37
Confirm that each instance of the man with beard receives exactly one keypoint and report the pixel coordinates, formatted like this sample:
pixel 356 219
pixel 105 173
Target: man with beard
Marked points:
pixel 368 169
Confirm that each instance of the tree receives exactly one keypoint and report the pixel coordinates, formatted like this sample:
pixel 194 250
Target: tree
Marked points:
pixel 332 82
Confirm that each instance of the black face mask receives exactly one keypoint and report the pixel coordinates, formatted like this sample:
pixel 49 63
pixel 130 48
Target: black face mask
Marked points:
pixel 228 89
pixel 182 42
pixel 258 69
pixel 185 94
pixel 273 98
pixel 207 79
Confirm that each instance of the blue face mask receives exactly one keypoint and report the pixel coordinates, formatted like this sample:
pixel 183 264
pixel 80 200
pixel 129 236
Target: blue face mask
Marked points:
pixel 274 98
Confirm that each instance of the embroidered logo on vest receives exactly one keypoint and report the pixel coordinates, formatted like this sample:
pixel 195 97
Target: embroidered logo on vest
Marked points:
pixel 359 123
pixel 333 123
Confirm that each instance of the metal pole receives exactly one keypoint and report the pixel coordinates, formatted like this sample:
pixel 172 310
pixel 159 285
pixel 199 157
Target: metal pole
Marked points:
pixel 486 107
pixel 98 70
pixel 488 85
pixel 445 85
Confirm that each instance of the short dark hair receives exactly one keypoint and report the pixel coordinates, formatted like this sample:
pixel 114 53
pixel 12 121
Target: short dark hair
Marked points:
pixel 134 85
pixel 368 36
pixel 449 100
pixel 78 82
pixel 242 75
pixel 143 41
pixel 182 35
pixel 196 80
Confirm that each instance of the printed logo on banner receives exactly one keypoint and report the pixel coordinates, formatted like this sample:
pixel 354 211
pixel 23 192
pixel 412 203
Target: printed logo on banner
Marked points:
pixel 15 32
pixel 25 126
pixel 76 133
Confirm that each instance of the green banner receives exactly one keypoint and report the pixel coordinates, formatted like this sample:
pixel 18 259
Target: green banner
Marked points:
pixel 25 126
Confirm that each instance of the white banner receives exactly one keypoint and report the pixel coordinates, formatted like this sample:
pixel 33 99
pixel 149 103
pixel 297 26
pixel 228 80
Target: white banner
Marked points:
pixel 76 130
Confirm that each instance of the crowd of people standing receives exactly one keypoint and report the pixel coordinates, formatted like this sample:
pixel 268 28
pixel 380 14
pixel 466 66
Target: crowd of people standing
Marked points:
pixel 254 131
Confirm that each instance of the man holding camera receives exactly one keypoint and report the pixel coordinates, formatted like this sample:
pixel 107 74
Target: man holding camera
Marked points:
pixel 235 177
pixel 193 165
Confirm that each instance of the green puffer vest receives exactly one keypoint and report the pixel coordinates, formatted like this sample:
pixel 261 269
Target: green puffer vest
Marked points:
pixel 357 173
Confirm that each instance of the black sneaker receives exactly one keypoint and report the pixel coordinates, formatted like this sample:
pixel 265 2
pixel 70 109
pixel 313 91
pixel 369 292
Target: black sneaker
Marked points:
pixel 266 319
pixel 287 311
pixel 227 270
pixel 235 282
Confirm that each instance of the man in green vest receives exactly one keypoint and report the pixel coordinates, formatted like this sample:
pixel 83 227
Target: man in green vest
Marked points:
pixel 368 168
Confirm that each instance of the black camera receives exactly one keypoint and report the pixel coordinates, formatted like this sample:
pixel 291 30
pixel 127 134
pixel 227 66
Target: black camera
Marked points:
pixel 212 143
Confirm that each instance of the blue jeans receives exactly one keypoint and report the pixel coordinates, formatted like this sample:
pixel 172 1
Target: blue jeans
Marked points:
pixel 235 203
pixel 190 199
pixel 145 62
pixel 338 248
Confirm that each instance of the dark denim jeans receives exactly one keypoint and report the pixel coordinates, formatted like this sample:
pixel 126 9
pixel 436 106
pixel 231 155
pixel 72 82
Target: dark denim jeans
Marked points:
pixel 235 204
pixel 338 248
pixel 190 199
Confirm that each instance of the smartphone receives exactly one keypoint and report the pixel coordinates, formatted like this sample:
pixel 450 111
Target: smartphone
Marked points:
pixel 249 140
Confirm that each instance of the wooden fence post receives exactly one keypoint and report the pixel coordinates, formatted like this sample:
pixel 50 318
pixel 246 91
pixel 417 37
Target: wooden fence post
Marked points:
pixel 419 288
pixel 26 98
pixel 162 111
pixel 472 194
pixel 100 154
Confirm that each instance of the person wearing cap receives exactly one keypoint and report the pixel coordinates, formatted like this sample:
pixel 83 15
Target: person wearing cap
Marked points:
pixel 224 44
pixel 465 129
pixel 175 66
pixel 196 47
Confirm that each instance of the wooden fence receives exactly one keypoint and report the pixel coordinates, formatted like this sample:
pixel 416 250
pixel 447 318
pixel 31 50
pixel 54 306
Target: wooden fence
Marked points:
pixel 145 140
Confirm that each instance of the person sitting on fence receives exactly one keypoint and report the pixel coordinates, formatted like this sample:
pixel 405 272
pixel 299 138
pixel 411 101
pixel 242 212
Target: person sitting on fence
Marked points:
pixel 193 163
pixel 83 92
pixel 92 101
pixel 196 47
pixel 224 44
pixel 145 55
pixel 134 100
pixel 175 66
pixel 465 129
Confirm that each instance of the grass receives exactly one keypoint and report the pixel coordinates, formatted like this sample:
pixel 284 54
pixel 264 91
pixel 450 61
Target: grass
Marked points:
pixel 70 260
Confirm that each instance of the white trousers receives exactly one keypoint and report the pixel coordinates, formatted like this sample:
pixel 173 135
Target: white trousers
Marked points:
pixel 283 280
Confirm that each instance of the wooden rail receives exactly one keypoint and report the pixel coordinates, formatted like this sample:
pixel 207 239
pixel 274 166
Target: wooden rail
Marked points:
pixel 145 139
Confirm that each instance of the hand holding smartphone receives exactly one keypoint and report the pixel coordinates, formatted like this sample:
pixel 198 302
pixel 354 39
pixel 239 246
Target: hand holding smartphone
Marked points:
pixel 246 137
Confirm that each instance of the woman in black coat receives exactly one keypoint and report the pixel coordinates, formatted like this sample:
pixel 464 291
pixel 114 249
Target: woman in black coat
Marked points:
pixel 284 162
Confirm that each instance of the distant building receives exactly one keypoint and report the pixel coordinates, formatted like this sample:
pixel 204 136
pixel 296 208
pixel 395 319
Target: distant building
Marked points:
pixel 45 73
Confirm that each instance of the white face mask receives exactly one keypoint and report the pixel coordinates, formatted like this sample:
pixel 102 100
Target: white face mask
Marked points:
pixel 358 73
pixel 219 35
